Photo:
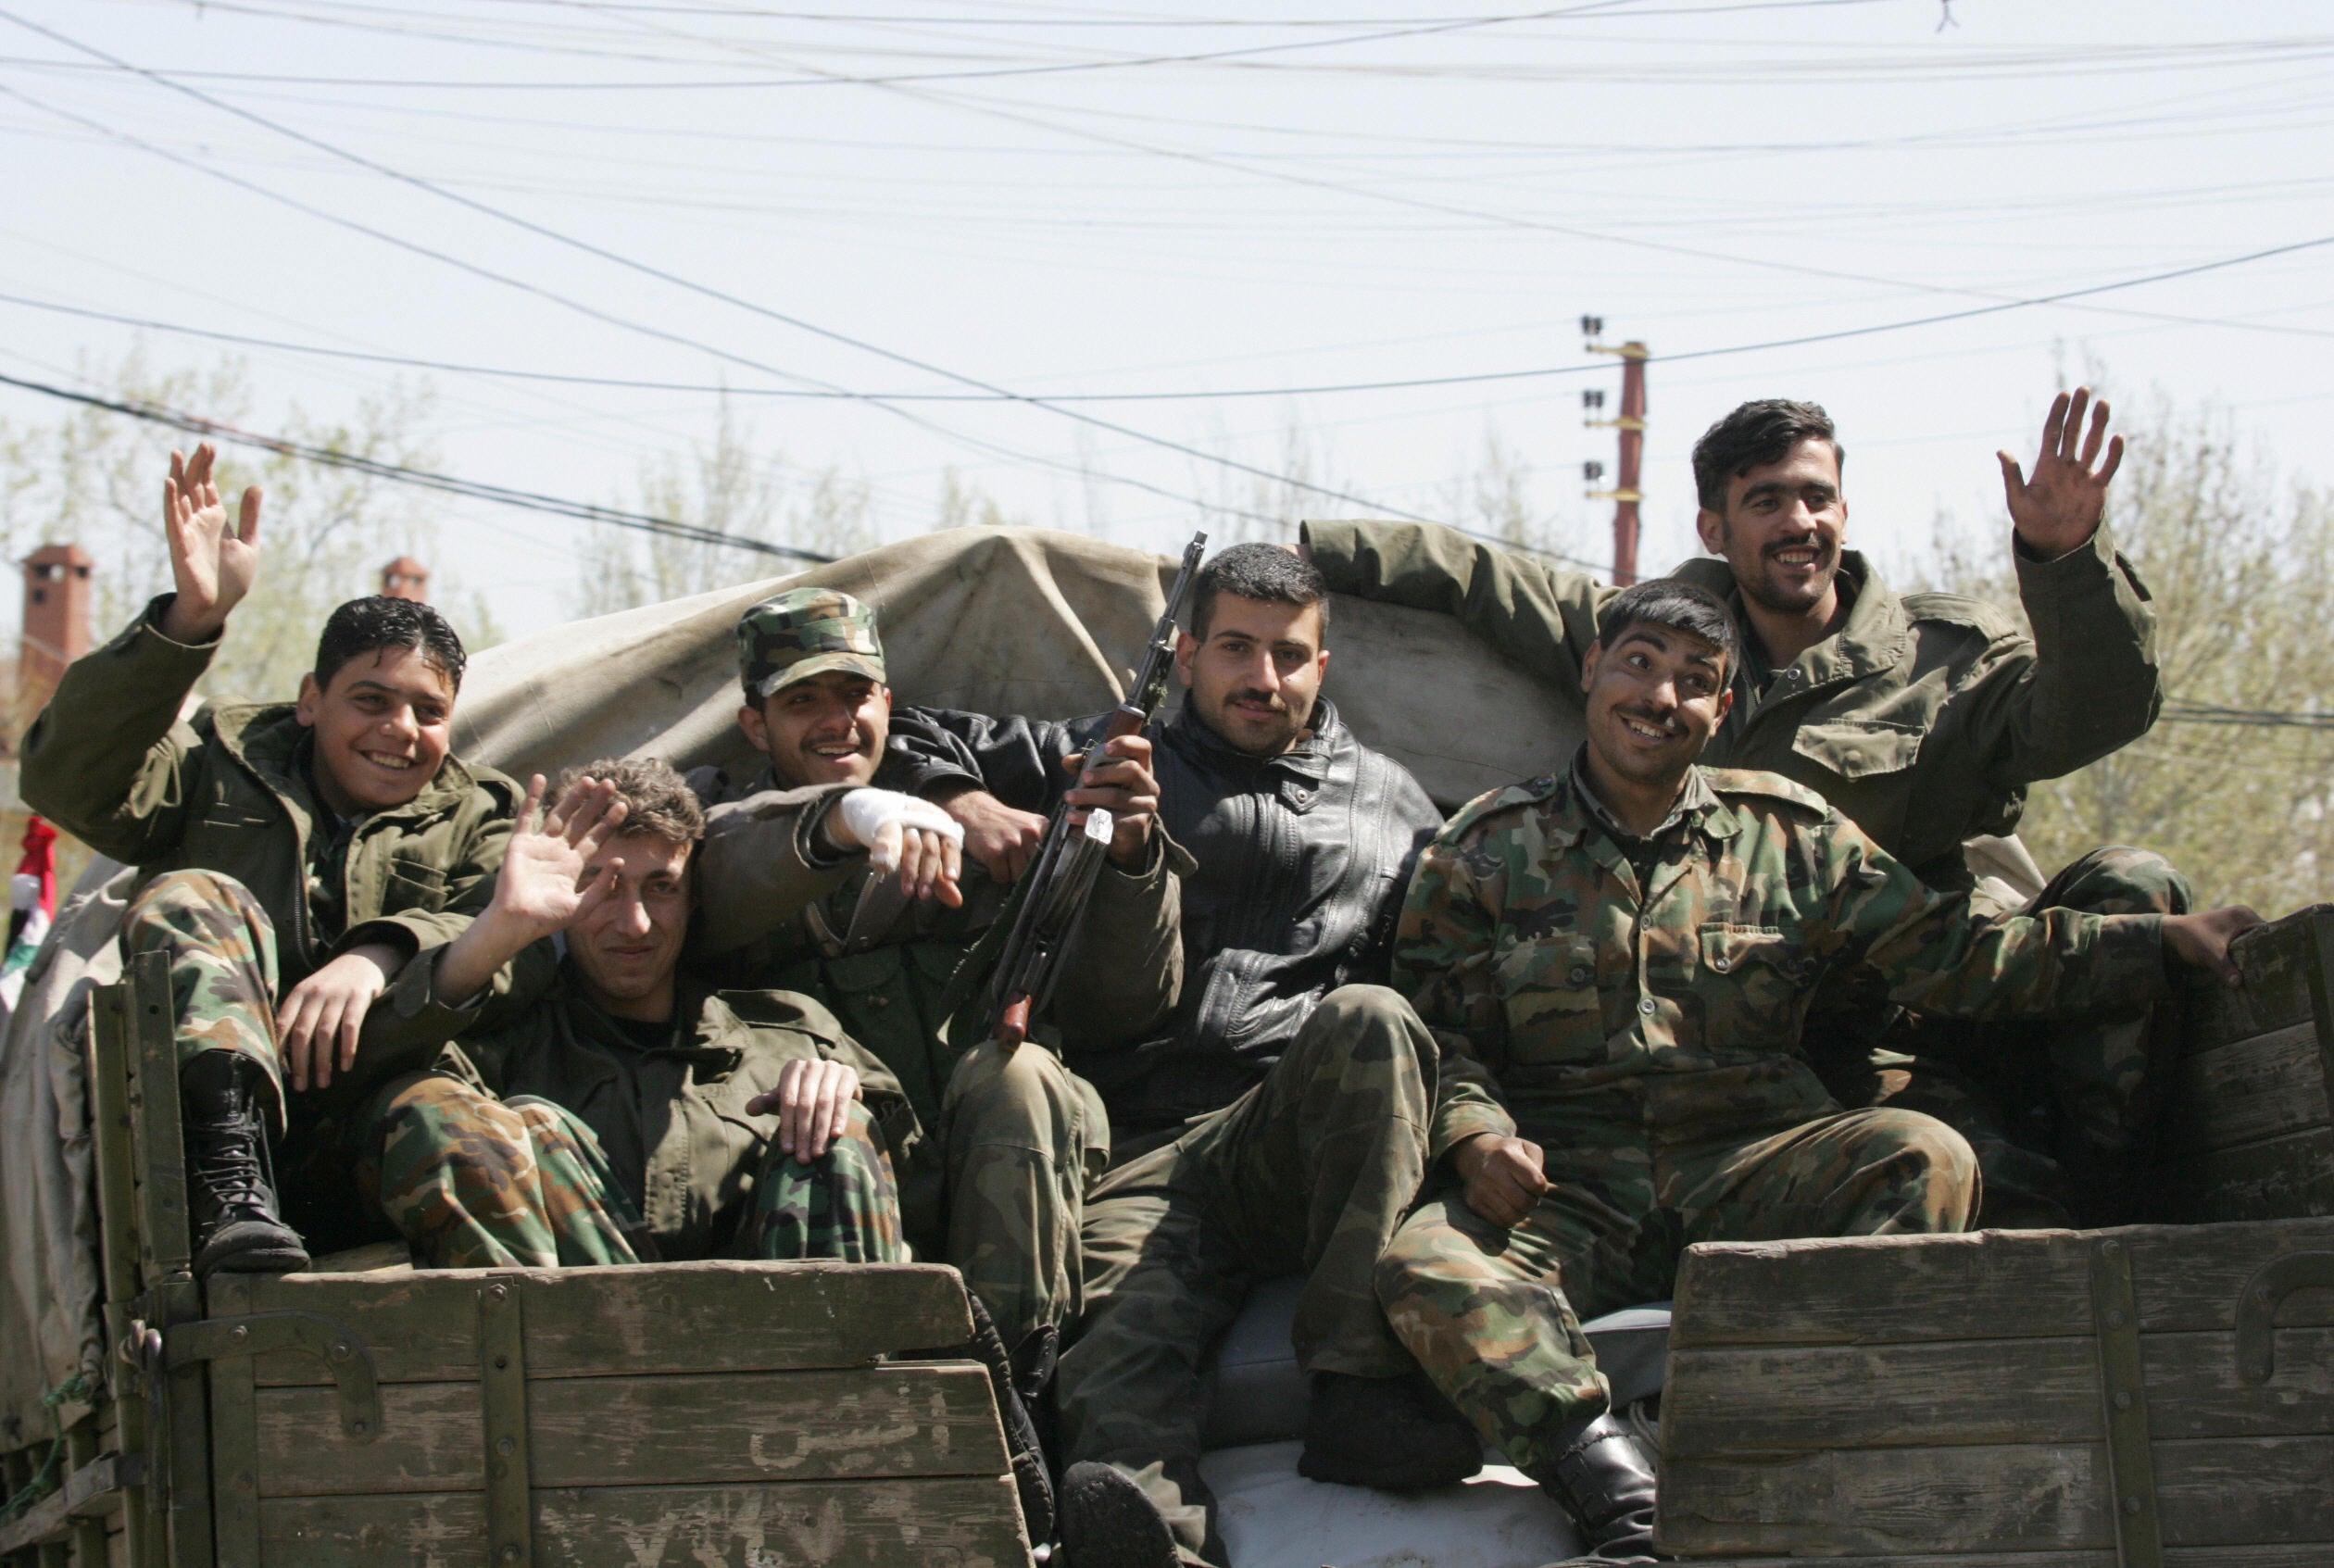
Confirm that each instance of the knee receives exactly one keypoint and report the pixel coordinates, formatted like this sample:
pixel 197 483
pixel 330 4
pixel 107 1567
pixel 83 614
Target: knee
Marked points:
pixel 1368 1023
pixel 188 903
pixel 2120 880
pixel 997 1089
pixel 1939 1158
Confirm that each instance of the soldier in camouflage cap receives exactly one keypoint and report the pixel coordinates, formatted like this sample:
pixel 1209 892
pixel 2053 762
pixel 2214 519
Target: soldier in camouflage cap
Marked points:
pixel 1622 956
pixel 806 632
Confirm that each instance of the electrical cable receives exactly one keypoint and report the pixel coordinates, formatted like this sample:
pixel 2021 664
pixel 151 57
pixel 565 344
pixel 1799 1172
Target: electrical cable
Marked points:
pixel 707 290
pixel 472 489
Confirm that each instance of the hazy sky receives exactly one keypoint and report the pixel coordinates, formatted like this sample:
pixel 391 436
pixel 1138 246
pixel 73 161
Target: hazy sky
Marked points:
pixel 1056 200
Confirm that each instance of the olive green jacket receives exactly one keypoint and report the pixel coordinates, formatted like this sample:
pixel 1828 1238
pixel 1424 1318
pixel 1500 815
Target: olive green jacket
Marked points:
pixel 1923 718
pixel 774 911
pixel 111 761
pixel 672 1119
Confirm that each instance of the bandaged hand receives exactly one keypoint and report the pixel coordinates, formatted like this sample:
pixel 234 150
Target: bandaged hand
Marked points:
pixel 901 834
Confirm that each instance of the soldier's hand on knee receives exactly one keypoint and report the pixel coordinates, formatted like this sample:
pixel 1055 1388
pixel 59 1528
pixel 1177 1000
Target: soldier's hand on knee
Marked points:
pixel 1505 1176
pixel 2201 940
pixel 319 1022
pixel 813 1102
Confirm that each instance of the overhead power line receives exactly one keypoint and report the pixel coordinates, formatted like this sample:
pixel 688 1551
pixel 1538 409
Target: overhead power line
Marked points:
pixel 470 489
pixel 708 292
pixel 2260 718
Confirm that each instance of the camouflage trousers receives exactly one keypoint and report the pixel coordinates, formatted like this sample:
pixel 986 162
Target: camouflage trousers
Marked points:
pixel 1000 1190
pixel 2061 1113
pixel 1307 1173
pixel 479 1183
pixel 1494 1313
pixel 223 952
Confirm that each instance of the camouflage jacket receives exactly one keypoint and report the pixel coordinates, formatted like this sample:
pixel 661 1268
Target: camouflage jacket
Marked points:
pixel 670 1116
pixel 1923 718
pixel 1602 1013
pixel 227 790
pixel 774 912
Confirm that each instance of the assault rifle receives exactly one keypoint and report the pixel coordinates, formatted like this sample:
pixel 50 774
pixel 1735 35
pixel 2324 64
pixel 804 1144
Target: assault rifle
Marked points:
pixel 1054 892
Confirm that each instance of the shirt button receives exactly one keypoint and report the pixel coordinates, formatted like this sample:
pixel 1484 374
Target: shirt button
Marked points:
pixel 1719 965
pixel 1582 975
pixel 1646 1007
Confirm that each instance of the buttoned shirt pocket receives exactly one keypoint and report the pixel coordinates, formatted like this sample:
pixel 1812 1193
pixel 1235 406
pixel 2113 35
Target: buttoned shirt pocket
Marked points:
pixel 1754 981
pixel 1548 990
pixel 1856 748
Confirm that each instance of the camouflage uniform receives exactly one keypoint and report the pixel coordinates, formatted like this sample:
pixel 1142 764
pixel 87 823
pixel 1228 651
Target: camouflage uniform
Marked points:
pixel 1307 1173
pixel 252 883
pixel 1635 1006
pixel 998 1184
pixel 570 1138
pixel 1924 719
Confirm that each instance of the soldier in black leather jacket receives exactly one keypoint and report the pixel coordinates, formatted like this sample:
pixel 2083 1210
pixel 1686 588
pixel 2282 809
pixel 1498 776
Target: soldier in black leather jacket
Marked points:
pixel 1284 1120
pixel 1303 857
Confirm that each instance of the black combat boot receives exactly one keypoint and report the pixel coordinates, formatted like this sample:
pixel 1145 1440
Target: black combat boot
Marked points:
pixel 1395 1432
pixel 1108 1523
pixel 230 1183
pixel 1601 1478
pixel 1030 1476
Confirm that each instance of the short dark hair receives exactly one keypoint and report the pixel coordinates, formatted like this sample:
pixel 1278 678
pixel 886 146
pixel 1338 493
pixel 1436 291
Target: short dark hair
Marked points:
pixel 377 621
pixel 659 802
pixel 1755 434
pixel 1256 571
pixel 1678 605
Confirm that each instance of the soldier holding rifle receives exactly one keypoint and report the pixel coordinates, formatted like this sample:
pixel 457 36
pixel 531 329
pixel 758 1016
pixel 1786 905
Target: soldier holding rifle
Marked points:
pixel 1279 1122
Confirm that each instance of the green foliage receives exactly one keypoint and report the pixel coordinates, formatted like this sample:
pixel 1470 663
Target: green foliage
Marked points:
pixel 2241 568
pixel 94 478
pixel 727 487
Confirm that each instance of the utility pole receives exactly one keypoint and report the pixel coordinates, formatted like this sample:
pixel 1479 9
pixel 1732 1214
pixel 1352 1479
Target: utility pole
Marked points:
pixel 1625 495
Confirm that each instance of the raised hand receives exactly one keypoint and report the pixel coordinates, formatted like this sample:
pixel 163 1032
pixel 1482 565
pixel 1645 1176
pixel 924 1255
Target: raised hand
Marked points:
pixel 212 565
pixel 543 887
pixel 2059 508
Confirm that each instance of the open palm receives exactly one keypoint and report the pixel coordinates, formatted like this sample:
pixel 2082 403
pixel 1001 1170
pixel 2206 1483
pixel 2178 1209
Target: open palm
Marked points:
pixel 212 565
pixel 2059 508
pixel 542 883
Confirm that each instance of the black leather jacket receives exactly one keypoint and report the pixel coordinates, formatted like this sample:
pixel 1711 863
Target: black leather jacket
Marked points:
pixel 1303 859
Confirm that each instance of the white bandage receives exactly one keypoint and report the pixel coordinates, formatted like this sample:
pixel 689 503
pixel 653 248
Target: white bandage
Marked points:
pixel 862 817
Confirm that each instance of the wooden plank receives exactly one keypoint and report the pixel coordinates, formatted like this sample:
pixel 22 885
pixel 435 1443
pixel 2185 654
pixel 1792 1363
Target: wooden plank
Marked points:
pixel 1736 1403
pixel 642 1318
pixel 948 1522
pixel 2282 1178
pixel 2001 1497
pixel 924 1419
pixel 2276 959
pixel 2215 1493
pixel 2005 1285
pixel 234 1434
pixel 2264 1088
pixel 164 1230
pixel 84 1495
pixel 2304 1556
pixel 1794 1399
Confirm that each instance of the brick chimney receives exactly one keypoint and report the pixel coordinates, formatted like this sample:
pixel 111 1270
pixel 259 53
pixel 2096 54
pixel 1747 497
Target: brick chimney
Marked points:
pixel 55 622
pixel 406 578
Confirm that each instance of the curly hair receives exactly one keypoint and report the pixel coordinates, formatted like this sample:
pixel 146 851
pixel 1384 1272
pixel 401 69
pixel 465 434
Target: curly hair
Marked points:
pixel 658 801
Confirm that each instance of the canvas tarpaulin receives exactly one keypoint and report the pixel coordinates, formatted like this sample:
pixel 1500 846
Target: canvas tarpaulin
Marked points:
pixel 996 619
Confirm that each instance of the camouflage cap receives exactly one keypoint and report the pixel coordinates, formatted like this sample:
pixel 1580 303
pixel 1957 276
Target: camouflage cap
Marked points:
pixel 802 633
